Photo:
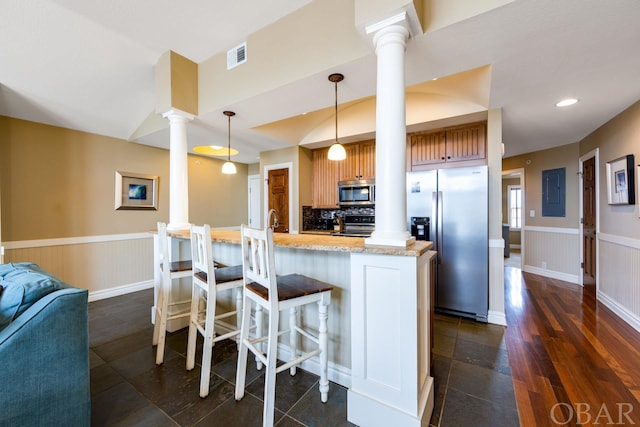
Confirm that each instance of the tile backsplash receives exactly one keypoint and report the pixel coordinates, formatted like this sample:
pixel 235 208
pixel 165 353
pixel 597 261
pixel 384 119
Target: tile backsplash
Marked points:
pixel 321 219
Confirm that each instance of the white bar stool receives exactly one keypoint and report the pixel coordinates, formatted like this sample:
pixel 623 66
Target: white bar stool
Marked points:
pixel 207 282
pixel 169 272
pixel 274 295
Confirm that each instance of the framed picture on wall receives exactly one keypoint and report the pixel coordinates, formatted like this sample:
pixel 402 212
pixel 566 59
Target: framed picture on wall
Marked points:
pixel 136 191
pixel 620 181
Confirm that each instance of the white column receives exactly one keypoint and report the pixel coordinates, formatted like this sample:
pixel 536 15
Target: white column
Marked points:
pixel 178 172
pixel 390 39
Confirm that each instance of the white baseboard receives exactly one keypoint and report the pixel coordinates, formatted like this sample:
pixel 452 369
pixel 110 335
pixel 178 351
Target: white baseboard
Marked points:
pixel 571 278
pixel 497 318
pixel 120 290
pixel 622 312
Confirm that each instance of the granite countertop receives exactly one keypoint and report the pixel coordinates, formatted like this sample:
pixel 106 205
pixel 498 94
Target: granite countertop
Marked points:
pixel 317 242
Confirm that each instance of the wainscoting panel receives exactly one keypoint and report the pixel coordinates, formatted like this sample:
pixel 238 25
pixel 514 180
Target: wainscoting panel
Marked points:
pixel 619 276
pixel 552 252
pixel 98 263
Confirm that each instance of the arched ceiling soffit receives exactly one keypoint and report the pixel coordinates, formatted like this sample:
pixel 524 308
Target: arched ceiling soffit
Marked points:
pixel 452 96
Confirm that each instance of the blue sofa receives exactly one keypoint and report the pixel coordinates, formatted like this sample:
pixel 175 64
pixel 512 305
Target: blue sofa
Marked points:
pixel 44 349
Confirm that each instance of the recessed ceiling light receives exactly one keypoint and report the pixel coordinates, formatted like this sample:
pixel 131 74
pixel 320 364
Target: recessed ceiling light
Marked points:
pixel 566 102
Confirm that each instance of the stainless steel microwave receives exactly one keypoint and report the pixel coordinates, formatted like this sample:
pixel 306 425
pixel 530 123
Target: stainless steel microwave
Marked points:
pixel 357 193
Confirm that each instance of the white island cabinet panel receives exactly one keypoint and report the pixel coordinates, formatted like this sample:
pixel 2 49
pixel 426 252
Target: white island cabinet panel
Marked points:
pixel 390 348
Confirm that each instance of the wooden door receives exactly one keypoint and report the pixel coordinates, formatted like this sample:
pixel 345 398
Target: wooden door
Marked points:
pixel 466 143
pixel 589 221
pixel 279 198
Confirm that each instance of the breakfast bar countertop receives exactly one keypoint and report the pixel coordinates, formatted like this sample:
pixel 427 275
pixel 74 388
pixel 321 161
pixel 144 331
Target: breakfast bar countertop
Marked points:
pixel 315 242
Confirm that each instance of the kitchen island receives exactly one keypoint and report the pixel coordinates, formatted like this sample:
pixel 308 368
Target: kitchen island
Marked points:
pixel 379 318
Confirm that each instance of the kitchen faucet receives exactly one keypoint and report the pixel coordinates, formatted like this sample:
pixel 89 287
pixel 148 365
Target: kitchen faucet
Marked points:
pixel 272 212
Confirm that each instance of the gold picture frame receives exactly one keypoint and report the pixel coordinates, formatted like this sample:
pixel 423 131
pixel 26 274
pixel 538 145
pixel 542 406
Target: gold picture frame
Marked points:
pixel 134 191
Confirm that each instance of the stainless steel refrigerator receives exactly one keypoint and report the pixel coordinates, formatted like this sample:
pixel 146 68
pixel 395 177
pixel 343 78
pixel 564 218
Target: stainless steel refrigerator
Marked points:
pixel 456 202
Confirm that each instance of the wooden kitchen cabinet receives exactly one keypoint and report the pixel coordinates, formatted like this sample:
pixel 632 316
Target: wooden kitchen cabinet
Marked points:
pixel 456 144
pixel 360 162
pixel 427 148
pixel 466 143
pixel 325 180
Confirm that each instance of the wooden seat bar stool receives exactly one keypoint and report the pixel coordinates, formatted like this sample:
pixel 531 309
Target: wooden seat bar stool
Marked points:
pixel 276 294
pixel 169 272
pixel 207 282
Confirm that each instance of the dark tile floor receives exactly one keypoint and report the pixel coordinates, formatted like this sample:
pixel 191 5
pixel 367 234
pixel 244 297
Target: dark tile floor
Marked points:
pixel 471 370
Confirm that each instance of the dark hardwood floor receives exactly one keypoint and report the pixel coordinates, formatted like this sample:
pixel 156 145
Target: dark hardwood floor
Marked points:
pixel 573 362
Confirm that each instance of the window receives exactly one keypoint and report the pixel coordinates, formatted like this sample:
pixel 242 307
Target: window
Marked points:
pixel 515 205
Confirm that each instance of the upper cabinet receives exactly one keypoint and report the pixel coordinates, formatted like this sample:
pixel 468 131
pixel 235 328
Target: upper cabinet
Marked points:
pixel 325 180
pixel 360 162
pixel 431 149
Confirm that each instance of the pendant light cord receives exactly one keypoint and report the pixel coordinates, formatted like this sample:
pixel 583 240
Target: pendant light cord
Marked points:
pixel 336 85
pixel 229 139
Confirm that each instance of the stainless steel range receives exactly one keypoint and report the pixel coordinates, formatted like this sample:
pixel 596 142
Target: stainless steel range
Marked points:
pixel 357 226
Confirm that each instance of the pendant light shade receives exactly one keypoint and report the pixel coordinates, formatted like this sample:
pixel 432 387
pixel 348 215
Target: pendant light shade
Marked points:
pixel 229 168
pixel 336 151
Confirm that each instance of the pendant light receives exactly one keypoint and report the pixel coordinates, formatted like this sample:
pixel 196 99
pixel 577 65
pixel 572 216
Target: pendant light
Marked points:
pixel 336 151
pixel 229 168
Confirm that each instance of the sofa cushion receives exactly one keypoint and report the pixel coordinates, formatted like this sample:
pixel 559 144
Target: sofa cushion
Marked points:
pixel 23 284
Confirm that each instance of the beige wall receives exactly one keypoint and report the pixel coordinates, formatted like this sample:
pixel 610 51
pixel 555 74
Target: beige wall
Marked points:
pixel 534 163
pixel 617 138
pixel 253 169
pixel 60 183
pixel 270 60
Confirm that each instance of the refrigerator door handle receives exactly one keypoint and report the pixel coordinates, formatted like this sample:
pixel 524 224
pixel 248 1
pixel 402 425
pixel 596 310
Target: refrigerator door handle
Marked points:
pixel 440 233
pixel 436 213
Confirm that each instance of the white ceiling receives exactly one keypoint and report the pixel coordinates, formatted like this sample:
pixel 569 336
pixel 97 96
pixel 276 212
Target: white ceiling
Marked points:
pixel 90 65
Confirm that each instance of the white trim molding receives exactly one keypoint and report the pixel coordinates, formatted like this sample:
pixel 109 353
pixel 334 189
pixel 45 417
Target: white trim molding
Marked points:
pixel 120 290
pixel 620 240
pixel 496 243
pixel 557 230
pixel 43 243
pixel 629 317
pixel 571 278
pixel 497 318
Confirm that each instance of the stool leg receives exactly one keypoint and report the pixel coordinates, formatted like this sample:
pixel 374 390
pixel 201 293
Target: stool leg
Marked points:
pixel 323 339
pixel 207 346
pixel 293 338
pixel 193 330
pixel 158 310
pixel 162 323
pixel 238 314
pixel 259 321
pixel 241 371
pixel 270 374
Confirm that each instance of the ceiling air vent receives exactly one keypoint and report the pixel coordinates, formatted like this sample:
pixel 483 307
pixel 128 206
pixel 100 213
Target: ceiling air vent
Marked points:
pixel 237 56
